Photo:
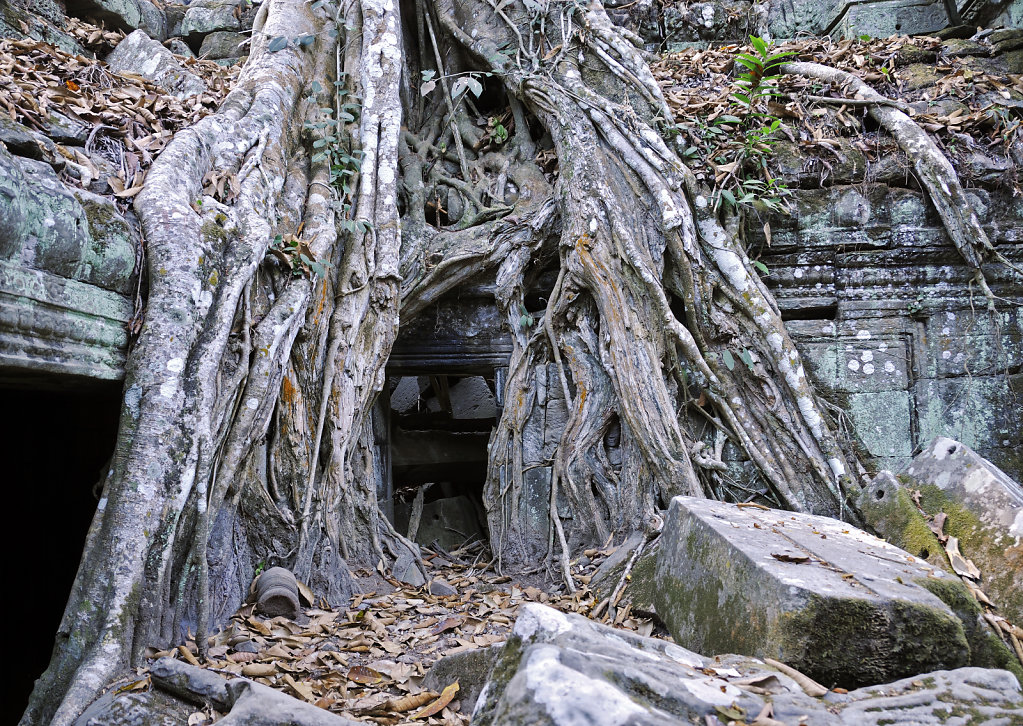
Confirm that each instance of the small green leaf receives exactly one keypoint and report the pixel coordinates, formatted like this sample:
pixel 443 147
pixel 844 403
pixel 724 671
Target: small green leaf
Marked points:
pixel 761 267
pixel 759 44
pixel 316 87
pixel 726 119
pixel 747 358
pixel 728 359
pixel 475 87
pixel 428 74
pixel 728 196
pixel 278 43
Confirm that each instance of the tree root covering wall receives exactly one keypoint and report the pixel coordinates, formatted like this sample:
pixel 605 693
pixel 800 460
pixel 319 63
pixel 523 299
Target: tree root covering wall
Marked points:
pixel 378 157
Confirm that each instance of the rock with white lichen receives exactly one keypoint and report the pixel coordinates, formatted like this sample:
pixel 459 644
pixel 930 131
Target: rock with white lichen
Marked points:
pixel 973 500
pixel 563 669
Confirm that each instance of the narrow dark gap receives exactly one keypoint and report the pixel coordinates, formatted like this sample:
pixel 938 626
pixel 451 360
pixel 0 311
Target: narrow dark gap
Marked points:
pixel 55 445
pixel 439 429
pixel 827 311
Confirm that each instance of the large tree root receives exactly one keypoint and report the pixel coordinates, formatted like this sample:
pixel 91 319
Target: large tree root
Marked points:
pixel 933 170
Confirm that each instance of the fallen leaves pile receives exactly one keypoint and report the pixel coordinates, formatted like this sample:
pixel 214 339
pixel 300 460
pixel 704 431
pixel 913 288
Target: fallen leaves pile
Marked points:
pixel 126 119
pixel 367 663
pixel 963 104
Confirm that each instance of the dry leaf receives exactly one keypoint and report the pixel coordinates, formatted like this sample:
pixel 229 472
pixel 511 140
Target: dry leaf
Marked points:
pixel 364 675
pixel 962 566
pixel 259 670
pixel 437 706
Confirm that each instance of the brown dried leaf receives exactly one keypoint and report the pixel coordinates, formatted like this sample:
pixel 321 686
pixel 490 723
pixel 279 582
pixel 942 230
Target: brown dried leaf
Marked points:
pixel 438 705
pixel 259 670
pixel 364 675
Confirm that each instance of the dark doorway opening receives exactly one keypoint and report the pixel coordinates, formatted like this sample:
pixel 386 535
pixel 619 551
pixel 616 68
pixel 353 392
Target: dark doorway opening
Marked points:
pixel 440 426
pixel 55 445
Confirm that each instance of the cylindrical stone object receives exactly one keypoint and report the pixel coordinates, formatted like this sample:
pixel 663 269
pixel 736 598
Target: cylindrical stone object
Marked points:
pixel 277 593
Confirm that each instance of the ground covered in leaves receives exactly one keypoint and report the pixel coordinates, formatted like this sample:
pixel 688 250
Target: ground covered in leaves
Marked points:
pixel 128 119
pixel 367 662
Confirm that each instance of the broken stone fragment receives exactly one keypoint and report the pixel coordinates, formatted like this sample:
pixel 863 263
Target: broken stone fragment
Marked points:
pixel 223 44
pixel 277 593
pixel 984 510
pixel 559 668
pixel 832 601
pixel 206 16
pixel 143 56
pixel 441 588
pixel 407 570
pixel 180 689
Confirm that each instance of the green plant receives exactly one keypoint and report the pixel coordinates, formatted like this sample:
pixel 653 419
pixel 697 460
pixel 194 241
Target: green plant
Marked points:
pixel 757 129
pixel 762 68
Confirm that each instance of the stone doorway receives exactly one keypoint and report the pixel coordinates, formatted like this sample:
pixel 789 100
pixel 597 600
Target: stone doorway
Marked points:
pixel 55 443
pixel 438 428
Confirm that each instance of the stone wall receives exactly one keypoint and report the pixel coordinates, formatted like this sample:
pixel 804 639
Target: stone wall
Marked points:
pixel 876 298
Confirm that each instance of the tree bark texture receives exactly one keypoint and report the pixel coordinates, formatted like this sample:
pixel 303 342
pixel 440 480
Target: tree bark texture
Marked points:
pixel 245 435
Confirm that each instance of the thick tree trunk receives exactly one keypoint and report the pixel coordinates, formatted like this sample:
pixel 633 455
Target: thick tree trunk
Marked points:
pixel 245 434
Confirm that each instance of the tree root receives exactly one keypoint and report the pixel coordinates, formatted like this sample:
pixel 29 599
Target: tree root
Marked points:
pixel 933 169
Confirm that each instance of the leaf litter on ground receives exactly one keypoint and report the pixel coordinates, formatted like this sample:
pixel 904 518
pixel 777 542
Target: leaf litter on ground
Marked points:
pixel 368 661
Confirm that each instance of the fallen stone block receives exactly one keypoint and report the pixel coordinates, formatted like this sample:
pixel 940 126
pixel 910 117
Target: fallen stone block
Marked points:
pixel 152 708
pixel 889 510
pixel 143 56
pixel 564 669
pixel 559 668
pixel 206 16
pixel 471 668
pixel 832 601
pixel 984 510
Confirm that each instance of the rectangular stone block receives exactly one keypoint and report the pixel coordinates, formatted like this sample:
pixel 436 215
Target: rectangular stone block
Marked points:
pixel 884 18
pixel 883 422
pixel 975 410
pixel 836 603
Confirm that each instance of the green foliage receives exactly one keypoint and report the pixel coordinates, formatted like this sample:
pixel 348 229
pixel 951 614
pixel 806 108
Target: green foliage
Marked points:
pixel 748 183
pixel 332 143
pixel 294 255
pixel 468 81
pixel 762 68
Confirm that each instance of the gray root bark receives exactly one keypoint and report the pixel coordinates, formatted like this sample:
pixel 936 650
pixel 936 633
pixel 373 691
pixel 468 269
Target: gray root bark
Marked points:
pixel 245 432
pixel 232 348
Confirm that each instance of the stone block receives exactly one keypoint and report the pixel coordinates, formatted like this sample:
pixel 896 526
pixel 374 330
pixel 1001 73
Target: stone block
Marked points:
pixel 54 326
pixel 844 607
pixel 449 522
pixel 140 54
pixel 563 669
pixel 471 398
pixel 889 508
pixel 883 422
pixel 985 511
pixel 883 18
pixel 153 708
pixel 222 44
pixel 639 591
pixel 206 16
pixel 127 15
pixel 962 342
pixel 973 410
